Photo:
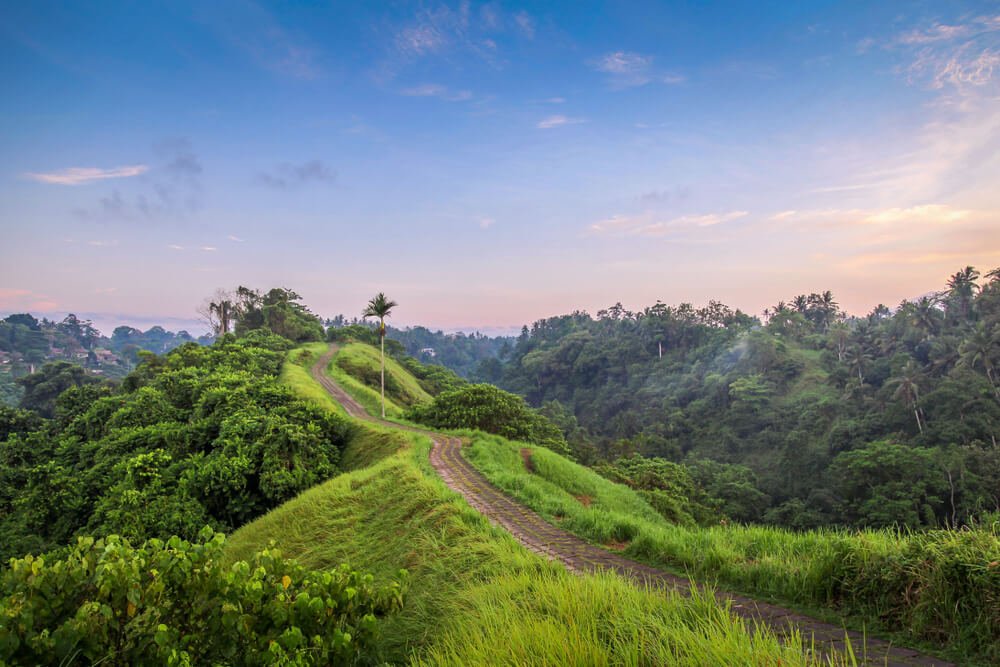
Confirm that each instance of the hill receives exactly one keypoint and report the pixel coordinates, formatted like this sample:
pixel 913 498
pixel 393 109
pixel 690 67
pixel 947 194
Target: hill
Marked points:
pixel 475 596
pixel 810 418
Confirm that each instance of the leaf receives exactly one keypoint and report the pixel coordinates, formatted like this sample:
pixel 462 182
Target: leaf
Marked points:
pixel 286 581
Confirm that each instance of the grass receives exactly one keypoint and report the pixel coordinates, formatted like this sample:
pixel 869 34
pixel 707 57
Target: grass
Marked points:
pixel 356 367
pixel 475 595
pixel 935 588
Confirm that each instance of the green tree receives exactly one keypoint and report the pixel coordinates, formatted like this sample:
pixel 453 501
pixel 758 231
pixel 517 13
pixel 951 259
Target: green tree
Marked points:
pixel 380 307
pixel 41 389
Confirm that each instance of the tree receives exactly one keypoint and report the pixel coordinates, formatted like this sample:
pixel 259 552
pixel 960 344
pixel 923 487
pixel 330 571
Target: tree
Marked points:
pixel 908 390
pixel 978 350
pixel 962 288
pixel 380 307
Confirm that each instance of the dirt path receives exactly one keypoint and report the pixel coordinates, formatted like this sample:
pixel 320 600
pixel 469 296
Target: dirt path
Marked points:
pixel 577 555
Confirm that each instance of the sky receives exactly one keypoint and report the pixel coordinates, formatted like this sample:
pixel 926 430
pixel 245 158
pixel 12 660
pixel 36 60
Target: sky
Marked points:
pixel 489 164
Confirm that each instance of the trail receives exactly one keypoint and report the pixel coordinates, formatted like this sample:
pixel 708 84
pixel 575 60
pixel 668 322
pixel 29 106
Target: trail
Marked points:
pixel 579 556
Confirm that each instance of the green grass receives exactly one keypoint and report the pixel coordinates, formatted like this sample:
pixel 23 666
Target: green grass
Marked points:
pixel 295 374
pixel 476 596
pixel 356 367
pixel 934 588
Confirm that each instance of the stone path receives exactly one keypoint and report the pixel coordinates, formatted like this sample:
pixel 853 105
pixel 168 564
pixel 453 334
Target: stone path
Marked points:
pixel 577 555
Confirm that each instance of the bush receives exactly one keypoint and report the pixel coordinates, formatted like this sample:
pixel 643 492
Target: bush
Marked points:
pixel 173 603
pixel 487 408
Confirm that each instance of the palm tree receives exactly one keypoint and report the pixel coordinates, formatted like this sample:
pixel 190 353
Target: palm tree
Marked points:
pixel 962 288
pixel 979 349
pixel 380 307
pixel 908 390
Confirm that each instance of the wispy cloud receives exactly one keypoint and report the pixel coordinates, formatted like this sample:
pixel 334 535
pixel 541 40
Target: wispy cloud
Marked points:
pixel 438 91
pixel 287 175
pixel 525 24
pixel 83 175
pixel 557 120
pixel 235 238
pixel 486 223
pixel 647 224
pixel 626 68
pixel 103 243
pixel 173 188
pixel 174 246
pixel 208 248
pixel 23 300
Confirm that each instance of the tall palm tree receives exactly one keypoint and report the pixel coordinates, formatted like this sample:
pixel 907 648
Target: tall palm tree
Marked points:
pixel 908 390
pixel 979 349
pixel 962 288
pixel 380 307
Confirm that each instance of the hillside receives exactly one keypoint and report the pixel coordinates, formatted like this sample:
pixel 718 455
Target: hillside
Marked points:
pixel 809 418
pixel 475 596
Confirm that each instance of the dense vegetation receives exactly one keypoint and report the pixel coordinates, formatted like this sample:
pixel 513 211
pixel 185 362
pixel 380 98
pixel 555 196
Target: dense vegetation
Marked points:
pixel 811 418
pixel 175 603
pixel 200 436
pixel 939 586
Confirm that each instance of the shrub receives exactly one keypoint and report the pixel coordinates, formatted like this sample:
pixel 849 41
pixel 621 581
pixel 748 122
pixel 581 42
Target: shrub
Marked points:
pixel 173 603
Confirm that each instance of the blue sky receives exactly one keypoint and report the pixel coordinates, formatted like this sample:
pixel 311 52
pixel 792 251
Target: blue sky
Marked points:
pixel 489 164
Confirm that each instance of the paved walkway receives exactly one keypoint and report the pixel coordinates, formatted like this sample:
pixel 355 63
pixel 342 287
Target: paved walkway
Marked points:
pixel 577 555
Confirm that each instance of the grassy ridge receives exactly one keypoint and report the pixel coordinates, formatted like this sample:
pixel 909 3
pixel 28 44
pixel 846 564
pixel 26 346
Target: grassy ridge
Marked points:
pixel 476 596
pixel 936 586
pixel 356 368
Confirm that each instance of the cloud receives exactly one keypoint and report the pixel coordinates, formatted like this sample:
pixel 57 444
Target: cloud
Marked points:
pixel 486 223
pixel 435 90
pixel 22 300
pixel 936 213
pixel 420 39
pixel 174 246
pixel 103 244
pixel 784 215
pixel 525 24
pixel 234 238
pixel 556 100
pixel 83 175
pixel 208 248
pixel 646 224
pixel 557 121
pixel 287 175
pixel 943 55
pixel 171 189
pixel 664 196
pixel 626 68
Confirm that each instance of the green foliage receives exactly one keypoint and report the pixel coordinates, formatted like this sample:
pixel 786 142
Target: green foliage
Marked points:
pixel 277 311
pixel 41 389
pixel 665 485
pixel 487 408
pixel 203 435
pixel 173 602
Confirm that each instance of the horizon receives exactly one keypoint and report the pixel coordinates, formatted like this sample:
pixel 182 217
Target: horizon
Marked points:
pixel 494 163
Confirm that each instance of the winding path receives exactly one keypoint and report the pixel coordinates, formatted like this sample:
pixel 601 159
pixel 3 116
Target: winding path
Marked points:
pixel 577 555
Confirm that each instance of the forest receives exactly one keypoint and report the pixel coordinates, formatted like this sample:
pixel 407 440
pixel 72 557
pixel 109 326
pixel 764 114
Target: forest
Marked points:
pixel 806 418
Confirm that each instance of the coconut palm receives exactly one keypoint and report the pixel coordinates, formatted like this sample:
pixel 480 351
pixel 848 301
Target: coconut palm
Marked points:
pixel 380 307
pixel 979 350
pixel 908 390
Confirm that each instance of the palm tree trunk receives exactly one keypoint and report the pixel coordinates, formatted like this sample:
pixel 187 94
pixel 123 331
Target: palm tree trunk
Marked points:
pixel 382 355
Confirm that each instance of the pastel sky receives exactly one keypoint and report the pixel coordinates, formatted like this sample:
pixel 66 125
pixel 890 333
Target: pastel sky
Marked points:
pixel 488 164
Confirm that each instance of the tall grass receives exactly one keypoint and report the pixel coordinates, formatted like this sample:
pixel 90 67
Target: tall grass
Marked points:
pixel 941 587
